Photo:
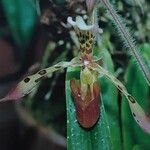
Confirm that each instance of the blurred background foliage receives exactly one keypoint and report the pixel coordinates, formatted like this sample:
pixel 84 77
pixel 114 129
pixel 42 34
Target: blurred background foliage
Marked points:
pixel 37 36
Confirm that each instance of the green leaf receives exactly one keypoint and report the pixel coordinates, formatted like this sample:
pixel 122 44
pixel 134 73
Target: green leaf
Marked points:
pixel 21 17
pixel 105 135
pixel 110 99
pixel 59 2
pixel 133 136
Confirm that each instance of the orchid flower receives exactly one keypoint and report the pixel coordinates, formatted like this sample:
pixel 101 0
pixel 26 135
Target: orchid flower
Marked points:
pixel 86 91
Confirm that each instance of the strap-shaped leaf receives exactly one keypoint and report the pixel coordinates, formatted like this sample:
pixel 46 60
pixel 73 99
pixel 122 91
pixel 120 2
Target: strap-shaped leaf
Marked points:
pixel 97 137
pixel 105 135
pixel 21 17
pixel 110 100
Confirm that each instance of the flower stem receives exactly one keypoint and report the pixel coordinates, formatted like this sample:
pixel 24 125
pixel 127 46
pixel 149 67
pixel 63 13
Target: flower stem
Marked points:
pixel 127 39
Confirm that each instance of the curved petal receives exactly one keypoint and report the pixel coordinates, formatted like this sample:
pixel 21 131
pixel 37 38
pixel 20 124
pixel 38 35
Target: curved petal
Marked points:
pixel 138 113
pixel 28 83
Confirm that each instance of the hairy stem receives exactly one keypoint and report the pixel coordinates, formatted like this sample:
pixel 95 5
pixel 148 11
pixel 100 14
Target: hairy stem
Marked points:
pixel 127 38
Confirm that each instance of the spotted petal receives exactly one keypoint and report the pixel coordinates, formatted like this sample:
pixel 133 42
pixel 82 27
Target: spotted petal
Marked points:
pixel 86 34
pixel 138 113
pixel 28 83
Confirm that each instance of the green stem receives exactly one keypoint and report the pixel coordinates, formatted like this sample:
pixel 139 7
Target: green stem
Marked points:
pixel 127 38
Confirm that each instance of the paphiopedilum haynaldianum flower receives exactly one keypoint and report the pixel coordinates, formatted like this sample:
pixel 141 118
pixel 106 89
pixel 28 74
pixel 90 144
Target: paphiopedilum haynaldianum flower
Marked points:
pixel 85 92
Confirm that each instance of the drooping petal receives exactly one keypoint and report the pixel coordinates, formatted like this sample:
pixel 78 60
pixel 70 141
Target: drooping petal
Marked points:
pixel 28 83
pixel 138 113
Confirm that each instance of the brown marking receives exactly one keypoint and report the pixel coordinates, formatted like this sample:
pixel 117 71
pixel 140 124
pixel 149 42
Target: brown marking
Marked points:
pixel 88 50
pixel 57 67
pixel 42 72
pixel 82 41
pixel 83 36
pixel 26 80
pixel 90 41
pixel 87 45
pixel 120 88
pixel 82 48
pixel 92 36
pixel 134 114
pixel 132 100
pixel 87 37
